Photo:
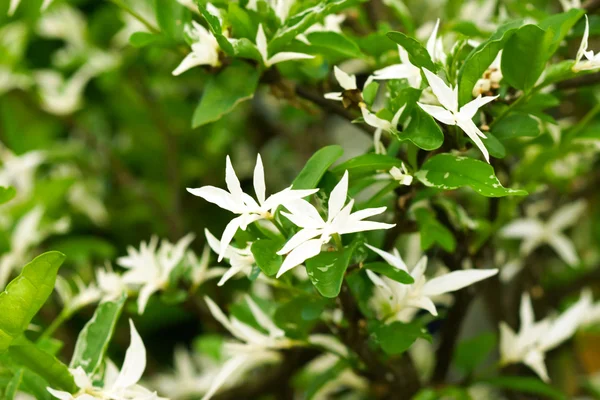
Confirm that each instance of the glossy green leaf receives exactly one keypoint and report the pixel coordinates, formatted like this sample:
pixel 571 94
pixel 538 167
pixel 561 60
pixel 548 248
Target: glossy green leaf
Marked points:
pixel 524 57
pixel 57 374
pixel 391 272
pixel 448 171
pixel 143 39
pixel 215 27
pixel 299 315
pixel 26 294
pixel 422 131
pixel 316 166
pixel 558 26
pixel 493 145
pixel 397 337
pixel 526 385
pixel 94 338
pixel 472 352
pixel 326 271
pixel 328 43
pixel 265 255
pixel 432 231
pixel 7 194
pixel 479 60
pixel 223 92
pixel 417 53
pixel 516 125
pixel 367 164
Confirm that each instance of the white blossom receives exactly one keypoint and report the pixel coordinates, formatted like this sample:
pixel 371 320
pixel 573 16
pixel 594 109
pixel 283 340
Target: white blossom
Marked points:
pixel 74 301
pixel 261 45
pixel 205 49
pixel 592 60
pixel 317 231
pixel 117 385
pixel 394 301
pixel 570 4
pixel 241 260
pixel 19 170
pixel 238 202
pixel 404 70
pixel 331 23
pixel 535 232
pixel 346 81
pixel 150 267
pixel 435 47
pixel 401 175
pixel 199 269
pixel 450 114
pixel 381 124
pixel 491 77
pixel 536 338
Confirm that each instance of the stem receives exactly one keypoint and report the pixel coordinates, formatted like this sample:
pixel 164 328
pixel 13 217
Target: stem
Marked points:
pixel 338 241
pixel 278 225
pixel 64 315
pixel 136 15
pixel 384 190
pixel 583 122
pixel 509 109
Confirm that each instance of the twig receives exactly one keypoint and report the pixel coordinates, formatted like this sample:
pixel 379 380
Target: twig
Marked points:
pixel 585 80
pixel 591 5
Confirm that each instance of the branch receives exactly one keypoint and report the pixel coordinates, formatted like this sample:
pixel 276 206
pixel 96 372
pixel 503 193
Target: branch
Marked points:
pixel 585 80
pixel 591 5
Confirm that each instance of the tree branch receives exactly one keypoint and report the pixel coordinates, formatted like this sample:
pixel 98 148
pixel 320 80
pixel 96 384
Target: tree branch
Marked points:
pixel 580 81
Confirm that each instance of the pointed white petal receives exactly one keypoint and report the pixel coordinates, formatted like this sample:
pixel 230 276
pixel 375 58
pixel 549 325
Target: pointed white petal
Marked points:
pixel 474 134
pixel 232 181
pixel 190 61
pixel 228 369
pixel 362 226
pixel 348 82
pixel 522 228
pixel 564 247
pixel 526 312
pixel 337 96
pixel 134 363
pixel 228 234
pixel 456 280
pixel 439 113
pixel 398 71
pixel 217 196
pixel 287 56
pixel 298 239
pixel 144 296
pixel 389 258
pixel 58 393
pixel 261 43
pixel 300 254
pixel 584 41
pixel 263 319
pixel 230 273
pixel 376 122
pixel 220 316
pixel 508 342
pixel 565 326
pixel 337 198
pixel 535 360
pixel 566 216
pixel 286 197
pixel 380 283
pixel 424 303
pixel 470 109
pixel 444 93
pixel 259 180
pixel 432 41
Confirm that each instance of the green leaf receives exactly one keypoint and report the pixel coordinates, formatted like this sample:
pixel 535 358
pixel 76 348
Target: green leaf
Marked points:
pixel 215 28
pixel 397 337
pixel 14 384
pixel 557 27
pixel 265 255
pixel 7 194
pixel 370 92
pixel 326 271
pixel 474 351
pixel 422 131
pixel 367 164
pixel 526 385
pixel 95 336
pixel 524 57
pixel 143 39
pixel 299 315
pixel 432 231
pixel 26 294
pixel 328 43
pixel 448 171
pixel 391 272
pixel 516 125
pixel 479 60
pixel 223 92
pixel 494 146
pixel 417 54
pixel 210 345
pixel 316 166
pixel 171 17
pixel 57 374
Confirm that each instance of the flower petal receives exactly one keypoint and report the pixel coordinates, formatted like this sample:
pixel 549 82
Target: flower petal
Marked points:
pixel 259 180
pixel 232 181
pixel 334 96
pixel 263 319
pixel 456 280
pixel 337 198
pixel 564 247
pixel 470 109
pixel 300 254
pixel 526 312
pixel 535 360
pixel 584 41
pixel 286 56
pixel 261 43
pixel 474 134
pixel 134 363
pixel 217 196
pixel 444 93
pixel 376 122
pixel 228 369
pixel 298 239
pixel 439 113
pixel 347 81
pixel 522 228
pixel 228 234
pixel 432 41
pixel 566 216
pixel 389 258
pixel 190 61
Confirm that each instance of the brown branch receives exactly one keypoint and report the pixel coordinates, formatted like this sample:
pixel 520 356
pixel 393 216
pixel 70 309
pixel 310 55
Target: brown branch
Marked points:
pixel 591 5
pixel 580 81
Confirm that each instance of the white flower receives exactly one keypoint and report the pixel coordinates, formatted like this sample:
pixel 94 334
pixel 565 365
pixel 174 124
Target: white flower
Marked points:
pixel 379 123
pixel 592 60
pixel 205 49
pixel 255 348
pixel 404 70
pixel 536 233
pixel 199 270
pixel 238 202
pixel 449 114
pixel 401 175
pixel 317 232
pixel 570 4
pixel 241 260
pixel 19 171
pixel 85 295
pixel 261 45
pixel 117 385
pixel 331 23
pixel 346 81
pixel 394 301
pixel 535 338
pixel 151 267
pixel 111 284
pixel 491 77
pixel 435 47
pixel 346 380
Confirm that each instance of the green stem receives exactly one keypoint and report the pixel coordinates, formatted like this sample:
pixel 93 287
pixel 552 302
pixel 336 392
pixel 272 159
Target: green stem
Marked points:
pixel 64 315
pixel 136 15
pixel 338 241
pixel 278 225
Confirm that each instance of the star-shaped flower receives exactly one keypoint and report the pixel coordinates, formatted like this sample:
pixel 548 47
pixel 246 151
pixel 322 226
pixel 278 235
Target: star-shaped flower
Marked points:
pixel 404 70
pixel 238 202
pixel 450 114
pixel 592 60
pixel 241 260
pixel 535 232
pixel 350 95
pixel 205 49
pixel 435 47
pixel 394 301
pixel 317 231
pixel 535 338
pixel 261 45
